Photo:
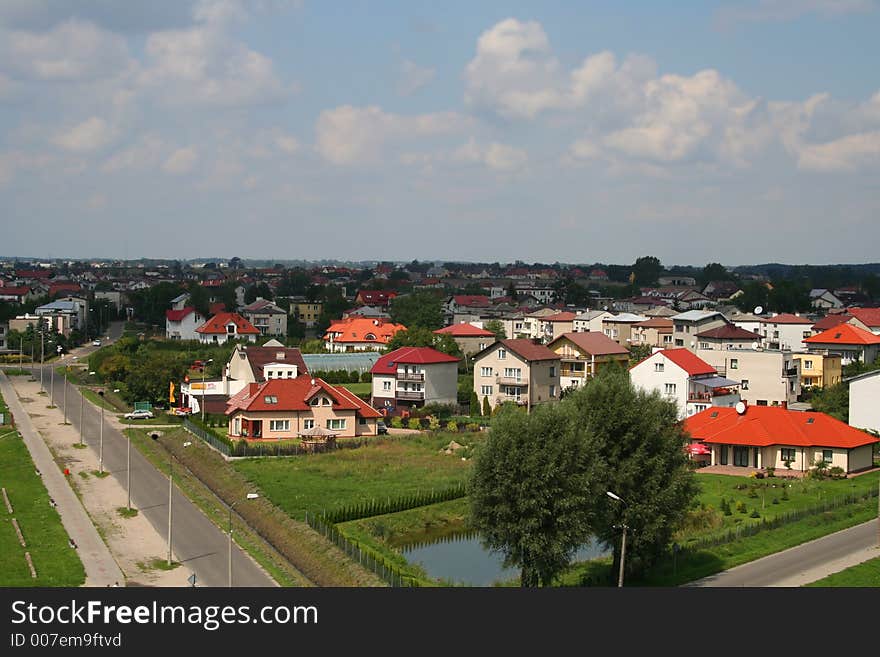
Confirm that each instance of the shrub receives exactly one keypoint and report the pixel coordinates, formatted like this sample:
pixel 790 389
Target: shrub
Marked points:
pixel 785 492
pixel 414 423
pixel 366 377
pixel 741 506
pixel 433 423
pixel 771 471
pixel 473 426
pixel 397 422
pixel 452 427
pixel 487 407
pixel 759 475
pixel 753 492
pixel 725 507
pixel 754 514
pixel 775 500
pixel 354 376
pixel 836 472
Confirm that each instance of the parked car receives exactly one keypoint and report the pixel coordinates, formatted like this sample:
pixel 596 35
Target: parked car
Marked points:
pixel 139 415
pixel 182 411
pixel 96 343
pixel 381 429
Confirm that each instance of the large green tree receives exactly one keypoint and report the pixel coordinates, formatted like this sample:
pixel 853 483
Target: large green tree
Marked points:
pixel 420 336
pixel 496 327
pixel 423 309
pixel 647 270
pixel 532 490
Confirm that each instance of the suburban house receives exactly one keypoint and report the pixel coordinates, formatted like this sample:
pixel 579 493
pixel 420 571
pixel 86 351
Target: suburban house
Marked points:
pixel 869 318
pixel 283 409
pixel 686 325
pixel 818 370
pixel 4 332
pixel 182 324
pixel 267 317
pixel 462 303
pixel 227 326
pixel 824 299
pixel 414 377
pixel 864 393
pixel 835 319
pixel 727 336
pixel 583 355
pixel 762 437
pixel 306 312
pixel 519 370
pixel 747 321
pixel 849 342
pixel 369 312
pixel 721 290
pixel 360 334
pixel 553 326
pixel 682 377
pixel 766 377
pixel 590 320
pixel 619 327
pixel 786 331
pixel 19 294
pixel 469 338
pixel 65 314
pixel 654 332
pixel 252 364
pixel 374 297
pixel 693 300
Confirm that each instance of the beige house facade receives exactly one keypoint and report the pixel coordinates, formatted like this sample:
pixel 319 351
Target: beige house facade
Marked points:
pixel 518 371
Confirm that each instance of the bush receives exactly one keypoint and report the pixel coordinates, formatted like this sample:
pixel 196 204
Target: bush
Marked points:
pixel 366 377
pixel 414 423
pixel 354 376
pixel 785 493
pixel 753 492
pixel 836 472
pixel 754 514
pixel 473 426
pixel 771 471
pixel 397 422
pixel 775 500
pixel 433 423
pixel 741 507
pixel 487 407
pixel 452 427
pixel 725 507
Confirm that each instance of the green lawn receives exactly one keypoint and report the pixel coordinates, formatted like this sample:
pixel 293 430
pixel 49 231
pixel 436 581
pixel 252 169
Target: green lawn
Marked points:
pixel 359 388
pixel 384 469
pixel 97 400
pixel 55 562
pixel 865 574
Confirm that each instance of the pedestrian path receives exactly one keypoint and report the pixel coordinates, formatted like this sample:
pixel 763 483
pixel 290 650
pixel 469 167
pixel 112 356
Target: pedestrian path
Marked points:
pixel 101 569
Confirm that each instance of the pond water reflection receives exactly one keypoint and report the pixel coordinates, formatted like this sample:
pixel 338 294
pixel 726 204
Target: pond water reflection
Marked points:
pixel 461 559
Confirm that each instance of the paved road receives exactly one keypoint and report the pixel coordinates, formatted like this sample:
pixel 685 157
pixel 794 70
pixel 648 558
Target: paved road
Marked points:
pixel 100 566
pixel 196 541
pixel 805 563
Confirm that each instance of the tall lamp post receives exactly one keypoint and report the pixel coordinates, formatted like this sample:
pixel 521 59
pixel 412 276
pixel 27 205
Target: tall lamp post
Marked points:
pixel 155 436
pixel 204 367
pixel 128 465
pixel 101 433
pixel 623 538
pixel 250 496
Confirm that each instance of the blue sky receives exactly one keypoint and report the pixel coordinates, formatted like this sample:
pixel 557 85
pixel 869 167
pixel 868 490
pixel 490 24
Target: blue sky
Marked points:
pixel 736 132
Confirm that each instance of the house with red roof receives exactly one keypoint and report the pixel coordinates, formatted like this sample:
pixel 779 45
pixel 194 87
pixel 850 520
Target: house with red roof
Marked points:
pixel 182 324
pixel 17 294
pixel 283 409
pixel 583 355
pixel 727 336
pixel 414 377
pixel 360 334
pixel 868 317
pixel 786 331
pixel 521 370
pixel 684 378
pixel 849 342
pixel 552 326
pixel 469 338
pixel 381 298
pixel 653 332
pixel 764 436
pixel 227 326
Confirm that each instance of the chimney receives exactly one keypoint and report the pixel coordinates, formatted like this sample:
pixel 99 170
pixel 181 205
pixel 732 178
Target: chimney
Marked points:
pixel 252 389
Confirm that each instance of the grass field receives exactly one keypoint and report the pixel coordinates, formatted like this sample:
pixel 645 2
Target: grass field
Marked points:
pixel 359 388
pixel 865 574
pixel 384 469
pixel 55 562
pixel 97 400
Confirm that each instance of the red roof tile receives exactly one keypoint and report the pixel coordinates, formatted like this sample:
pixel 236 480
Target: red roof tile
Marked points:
pixel 867 316
pixel 259 357
pixel 830 321
pixel 786 318
pixel 294 395
pixel 465 330
pixel 687 361
pixel 219 322
pixel 471 300
pixel 15 291
pixel 560 317
pixel 178 315
pixel 528 350
pixel 728 332
pixel 387 364
pixel 356 329
pixel 762 426
pixel 592 342
pixel 844 334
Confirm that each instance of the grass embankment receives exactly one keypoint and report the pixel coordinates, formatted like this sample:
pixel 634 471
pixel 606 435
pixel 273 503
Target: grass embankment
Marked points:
pixel 104 401
pixel 307 558
pixel 15 371
pixel 383 469
pixel 359 388
pixel 55 562
pixel 866 574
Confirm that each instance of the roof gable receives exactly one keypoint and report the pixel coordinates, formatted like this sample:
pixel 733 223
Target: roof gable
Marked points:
pixel 844 334
pixel 594 343
pixel 688 361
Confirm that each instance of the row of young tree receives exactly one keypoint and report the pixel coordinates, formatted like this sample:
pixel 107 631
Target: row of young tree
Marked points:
pixel 538 490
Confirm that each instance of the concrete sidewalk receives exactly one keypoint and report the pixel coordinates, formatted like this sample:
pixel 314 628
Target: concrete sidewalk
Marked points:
pixel 101 569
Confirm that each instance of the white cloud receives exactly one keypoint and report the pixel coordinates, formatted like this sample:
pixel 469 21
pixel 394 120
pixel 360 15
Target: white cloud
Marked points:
pixel 72 51
pixel 347 134
pixel 413 78
pixel 496 156
pixel 286 144
pixel 181 161
pixel 90 135
pixel 145 154
pixel 845 154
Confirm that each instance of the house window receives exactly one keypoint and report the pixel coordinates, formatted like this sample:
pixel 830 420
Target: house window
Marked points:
pixel 485 371
pixel 806 334
pixel 482 346
pixel 827 455
pixel 745 384
pixel 734 363
pixel 279 425
pixel 308 424
pixel 667 339
pixel 485 390
pixel 386 385
pixel 669 388
pixel 552 373
pixel 362 420
pixel 808 364
pixel 704 345
pixel 552 391
pixel 512 373
pixel 336 423
pixel 658 367
pixel 270 399
pixel 761 402
pixel 679 343
pixel 325 401
pixel 787 454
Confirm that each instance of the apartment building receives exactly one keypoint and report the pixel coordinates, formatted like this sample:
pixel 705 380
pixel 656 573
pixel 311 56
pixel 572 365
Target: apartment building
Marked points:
pixel 766 377
pixel 583 355
pixel 519 370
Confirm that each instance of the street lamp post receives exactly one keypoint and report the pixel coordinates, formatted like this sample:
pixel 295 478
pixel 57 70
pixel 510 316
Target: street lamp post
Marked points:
pixel 622 540
pixel 101 433
pixel 128 465
pixel 155 436
pixel 204 367
pixel 250 496
pixel 42 357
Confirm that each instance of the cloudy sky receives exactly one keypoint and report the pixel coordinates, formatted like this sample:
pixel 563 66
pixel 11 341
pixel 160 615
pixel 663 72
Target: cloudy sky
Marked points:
pixel 733 131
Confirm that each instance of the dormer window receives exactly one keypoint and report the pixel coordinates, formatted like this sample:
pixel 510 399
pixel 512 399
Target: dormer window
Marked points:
pixel 230 328
pixel 370 336
pixel 325 401
pixel 270 399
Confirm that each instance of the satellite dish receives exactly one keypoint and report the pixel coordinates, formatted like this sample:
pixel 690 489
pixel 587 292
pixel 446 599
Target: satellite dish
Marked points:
pixel 693 343
pixel 740 408
pixel 759 310
pixel 755 346
pixel 313 382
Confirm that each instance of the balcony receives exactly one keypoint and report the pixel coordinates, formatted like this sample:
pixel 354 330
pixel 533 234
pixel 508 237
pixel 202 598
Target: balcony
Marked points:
pixel 577 374
pixel 511 381
pixel 416 395
pixel 707 396
pixel 791 371
pixel 410 376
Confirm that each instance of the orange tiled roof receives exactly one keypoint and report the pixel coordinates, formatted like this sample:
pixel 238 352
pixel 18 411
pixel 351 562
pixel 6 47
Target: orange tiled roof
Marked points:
pixel 844 334
pixel 356 329
pixel 219 322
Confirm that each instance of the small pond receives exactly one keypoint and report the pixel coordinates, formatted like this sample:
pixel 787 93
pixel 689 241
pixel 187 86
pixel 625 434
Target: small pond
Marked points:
pixel 462 559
